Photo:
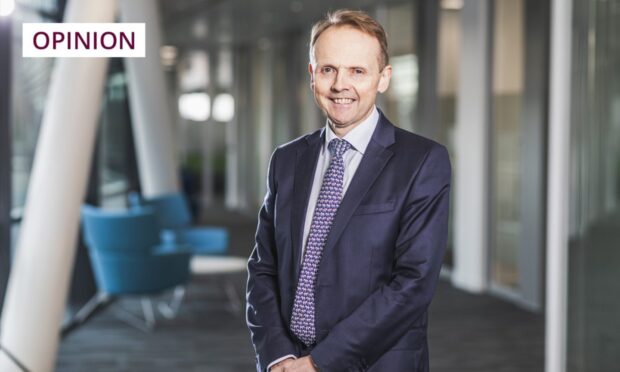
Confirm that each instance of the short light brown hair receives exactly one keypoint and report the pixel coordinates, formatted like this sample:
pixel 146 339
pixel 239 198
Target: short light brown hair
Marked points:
pixel 354 18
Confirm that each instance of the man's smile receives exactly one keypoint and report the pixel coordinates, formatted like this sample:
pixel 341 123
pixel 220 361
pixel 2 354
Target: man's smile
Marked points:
pixel 342 101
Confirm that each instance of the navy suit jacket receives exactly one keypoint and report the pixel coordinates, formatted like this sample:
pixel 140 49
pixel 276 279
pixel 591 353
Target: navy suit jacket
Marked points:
pixel 380 264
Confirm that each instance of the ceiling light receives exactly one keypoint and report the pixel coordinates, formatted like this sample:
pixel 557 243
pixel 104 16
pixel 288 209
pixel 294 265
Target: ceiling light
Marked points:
pixel 168 54
pixel 452 4
pixel 223 107
pixel 195 106
pixel 6 7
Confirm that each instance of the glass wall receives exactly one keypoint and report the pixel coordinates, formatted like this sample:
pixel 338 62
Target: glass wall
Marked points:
pixel 5 154
pixel 401 97
pixel 507 96
pixel 31 78
pixel 115 169
pixel 594 252
pixel 449 43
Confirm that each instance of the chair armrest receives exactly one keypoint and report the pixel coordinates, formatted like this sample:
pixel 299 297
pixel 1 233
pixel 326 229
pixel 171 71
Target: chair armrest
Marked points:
pixel 204 240
pixel 134 200
pixel 169 236
pixel 172 249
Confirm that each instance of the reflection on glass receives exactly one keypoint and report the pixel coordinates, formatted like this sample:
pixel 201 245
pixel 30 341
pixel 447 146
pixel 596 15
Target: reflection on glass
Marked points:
pixel 404 88
pixel 31 78
pixel 506 142
pixel 400 99
pixel 594 250
pixel 116 163
pixel 447 88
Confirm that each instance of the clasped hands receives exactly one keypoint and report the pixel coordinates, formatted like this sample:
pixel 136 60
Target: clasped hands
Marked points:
pixel 304 364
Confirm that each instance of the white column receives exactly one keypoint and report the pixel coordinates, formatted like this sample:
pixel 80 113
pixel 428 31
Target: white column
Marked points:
pixel 41 269
pixel 557 191
pixel 471 179
pixel 150 113
pixel 263 102
pixel 208 132
pixel 226 68
pixel 232 164
pixel 208 152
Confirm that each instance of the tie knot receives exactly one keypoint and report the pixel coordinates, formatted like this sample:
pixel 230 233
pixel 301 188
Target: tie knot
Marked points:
pixel 337 147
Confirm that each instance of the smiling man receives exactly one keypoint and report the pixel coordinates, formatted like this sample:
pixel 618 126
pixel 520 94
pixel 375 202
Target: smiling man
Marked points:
pixel 353 228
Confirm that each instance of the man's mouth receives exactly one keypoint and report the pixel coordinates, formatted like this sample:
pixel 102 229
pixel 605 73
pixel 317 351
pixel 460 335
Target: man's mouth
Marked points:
pixel 342 101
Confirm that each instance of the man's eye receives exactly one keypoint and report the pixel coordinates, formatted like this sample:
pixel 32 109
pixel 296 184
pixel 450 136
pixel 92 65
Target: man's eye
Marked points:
pixel 327 70
pixel 358 71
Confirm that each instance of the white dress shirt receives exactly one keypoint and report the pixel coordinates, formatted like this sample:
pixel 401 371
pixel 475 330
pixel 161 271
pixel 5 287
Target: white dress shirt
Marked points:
pixel 358 137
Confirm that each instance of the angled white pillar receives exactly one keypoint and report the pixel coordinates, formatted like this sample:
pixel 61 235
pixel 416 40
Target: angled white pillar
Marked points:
pixel 471 178
pixel 150 111
pixel 41 270
pixel 557 189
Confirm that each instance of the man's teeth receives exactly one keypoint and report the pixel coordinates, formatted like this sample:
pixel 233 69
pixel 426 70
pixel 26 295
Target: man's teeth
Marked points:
pixel 343 100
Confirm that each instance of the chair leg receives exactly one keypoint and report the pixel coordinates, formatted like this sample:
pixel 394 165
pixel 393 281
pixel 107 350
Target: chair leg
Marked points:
pixel 97 303
pixel 171 310
pixel 147 311
pixel 146 323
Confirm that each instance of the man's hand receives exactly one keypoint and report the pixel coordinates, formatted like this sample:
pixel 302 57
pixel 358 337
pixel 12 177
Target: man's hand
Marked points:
pixel 304 364
pixel 281 366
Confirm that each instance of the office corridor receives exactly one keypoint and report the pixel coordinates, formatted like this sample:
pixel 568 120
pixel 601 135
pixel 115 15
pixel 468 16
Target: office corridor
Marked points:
pixel 467 332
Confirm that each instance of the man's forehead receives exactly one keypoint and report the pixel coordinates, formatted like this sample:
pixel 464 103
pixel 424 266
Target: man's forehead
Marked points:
pixel 346 34
pixel 346 45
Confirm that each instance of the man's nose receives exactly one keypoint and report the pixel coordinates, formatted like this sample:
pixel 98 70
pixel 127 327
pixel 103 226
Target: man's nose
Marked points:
pixel 340 82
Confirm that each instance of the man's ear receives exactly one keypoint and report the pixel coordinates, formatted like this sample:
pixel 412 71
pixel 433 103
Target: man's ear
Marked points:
pixel 384 79
pixel 311 72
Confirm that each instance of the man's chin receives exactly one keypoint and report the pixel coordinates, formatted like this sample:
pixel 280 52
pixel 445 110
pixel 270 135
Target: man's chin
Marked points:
pixel 338 123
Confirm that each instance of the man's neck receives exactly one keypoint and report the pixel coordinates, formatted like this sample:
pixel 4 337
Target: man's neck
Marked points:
pixel 342 131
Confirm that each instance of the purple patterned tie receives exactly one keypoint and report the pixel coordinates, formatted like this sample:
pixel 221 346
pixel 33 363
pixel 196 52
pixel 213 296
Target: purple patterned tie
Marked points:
pixel 302 320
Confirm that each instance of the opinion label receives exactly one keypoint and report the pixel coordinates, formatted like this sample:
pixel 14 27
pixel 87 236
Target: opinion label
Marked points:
pixel 80 40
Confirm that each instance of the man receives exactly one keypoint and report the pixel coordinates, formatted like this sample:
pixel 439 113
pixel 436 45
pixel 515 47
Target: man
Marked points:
pixel 353 228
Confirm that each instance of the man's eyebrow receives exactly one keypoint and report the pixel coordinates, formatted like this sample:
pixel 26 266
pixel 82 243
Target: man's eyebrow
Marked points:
pixel 345 67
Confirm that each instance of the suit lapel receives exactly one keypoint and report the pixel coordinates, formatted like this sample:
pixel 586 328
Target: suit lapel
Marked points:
pixel 305 167
pixel 375 158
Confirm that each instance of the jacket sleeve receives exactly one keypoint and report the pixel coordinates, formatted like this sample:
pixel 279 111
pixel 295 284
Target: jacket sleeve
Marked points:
pixel 358 340
pixel 270 336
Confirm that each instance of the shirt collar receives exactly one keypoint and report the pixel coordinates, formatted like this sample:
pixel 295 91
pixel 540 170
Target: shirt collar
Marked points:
pixel 358 137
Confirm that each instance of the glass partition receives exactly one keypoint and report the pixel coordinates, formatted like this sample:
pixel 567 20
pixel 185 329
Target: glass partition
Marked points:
pixel 400 99
pixel 30 82
pixel 117 172
pixel 507 97
pixel 449 41
pixel 594 252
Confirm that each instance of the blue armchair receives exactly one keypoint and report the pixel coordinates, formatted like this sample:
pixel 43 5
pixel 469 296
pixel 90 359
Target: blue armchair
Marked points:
pixel 175 221
pixel 128 257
